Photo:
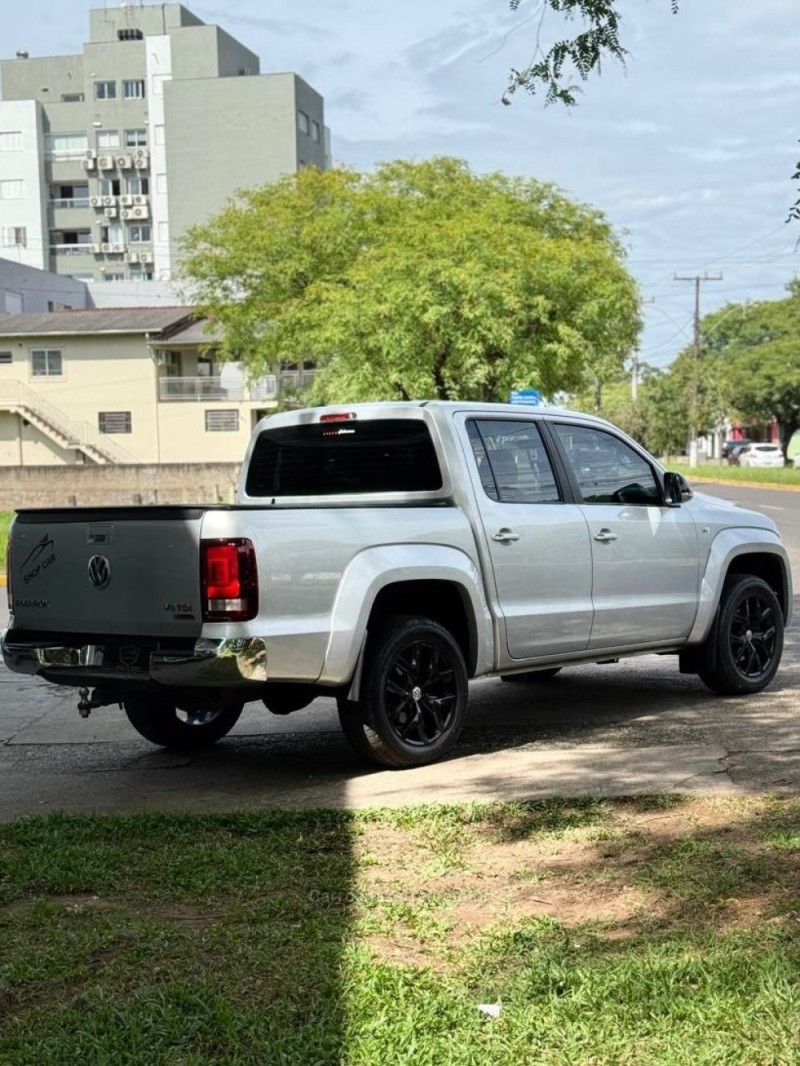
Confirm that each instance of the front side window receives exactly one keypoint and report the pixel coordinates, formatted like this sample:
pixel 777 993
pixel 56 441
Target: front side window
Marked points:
pixel 607 469
pixel 105 90
pixel 513 463
pixel 133 89
pixel 46 363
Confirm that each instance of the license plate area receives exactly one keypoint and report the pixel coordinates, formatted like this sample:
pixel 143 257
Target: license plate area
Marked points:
pixel 128 657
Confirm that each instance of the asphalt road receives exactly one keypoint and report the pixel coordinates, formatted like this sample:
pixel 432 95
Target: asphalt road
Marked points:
pixel 638 726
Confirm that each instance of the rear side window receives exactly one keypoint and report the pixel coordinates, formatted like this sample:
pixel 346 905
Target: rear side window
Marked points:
pixel 338 458
pixel 512 462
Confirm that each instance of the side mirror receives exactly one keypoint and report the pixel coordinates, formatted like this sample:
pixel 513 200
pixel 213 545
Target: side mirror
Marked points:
pixel 676 489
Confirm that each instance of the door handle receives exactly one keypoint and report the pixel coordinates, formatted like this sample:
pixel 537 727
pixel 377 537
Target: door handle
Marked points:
pixel 505 536
pixel 605 535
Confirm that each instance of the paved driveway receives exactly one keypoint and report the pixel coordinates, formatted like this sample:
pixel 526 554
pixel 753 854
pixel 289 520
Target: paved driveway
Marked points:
pixel 632 727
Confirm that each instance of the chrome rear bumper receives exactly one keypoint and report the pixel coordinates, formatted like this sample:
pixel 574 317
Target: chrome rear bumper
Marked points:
pixel 211 663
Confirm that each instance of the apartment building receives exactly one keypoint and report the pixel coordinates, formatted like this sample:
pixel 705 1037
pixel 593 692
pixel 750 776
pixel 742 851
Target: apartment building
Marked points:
pixel 107 157
pixel 125 385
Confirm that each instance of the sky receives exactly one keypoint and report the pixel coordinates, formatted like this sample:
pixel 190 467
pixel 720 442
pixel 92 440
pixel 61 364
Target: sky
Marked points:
pixel 689 150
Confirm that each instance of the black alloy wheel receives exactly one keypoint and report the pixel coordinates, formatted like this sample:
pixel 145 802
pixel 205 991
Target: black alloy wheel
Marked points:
pixel 743 651
pixel 414 695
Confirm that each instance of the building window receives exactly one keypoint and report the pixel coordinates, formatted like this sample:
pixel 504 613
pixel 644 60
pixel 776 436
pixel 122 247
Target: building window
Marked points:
pixel 139 186
pixel 11 141
pixel 222 421
pixel 135 138
pixel 105 90
pixel 315 132
pixel 114 277
pixel 66 144
pixel 114 421
pixel 140 234
pixel 108 139
pixel 110 187
pixel 133 89
pixel 303 122
pixel 46 363
pixel 5 358
pixel 72 98
pixel 13 189
pixel 13 237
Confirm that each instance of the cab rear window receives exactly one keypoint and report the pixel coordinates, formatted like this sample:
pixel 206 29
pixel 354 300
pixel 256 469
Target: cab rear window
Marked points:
pixel 339 458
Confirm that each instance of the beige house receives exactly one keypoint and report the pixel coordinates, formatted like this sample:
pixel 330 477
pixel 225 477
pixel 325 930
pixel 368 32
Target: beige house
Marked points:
pixel 132 385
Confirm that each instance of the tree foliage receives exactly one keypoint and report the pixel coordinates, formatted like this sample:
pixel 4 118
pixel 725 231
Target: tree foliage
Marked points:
pixel 579 55
pixel 420 279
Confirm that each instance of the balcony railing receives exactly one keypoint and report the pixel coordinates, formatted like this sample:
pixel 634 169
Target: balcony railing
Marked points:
pixel 82 201
pixel 213 389
pixel 71 249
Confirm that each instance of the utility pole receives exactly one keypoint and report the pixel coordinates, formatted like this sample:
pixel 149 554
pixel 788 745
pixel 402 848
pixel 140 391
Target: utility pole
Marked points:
pixel 694 415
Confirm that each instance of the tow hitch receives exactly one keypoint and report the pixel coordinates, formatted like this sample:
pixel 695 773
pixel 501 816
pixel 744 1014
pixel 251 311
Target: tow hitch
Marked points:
pixel 87 703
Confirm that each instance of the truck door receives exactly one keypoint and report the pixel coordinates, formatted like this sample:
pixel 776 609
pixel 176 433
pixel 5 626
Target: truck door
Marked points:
pixel 538 544
pixel 645 554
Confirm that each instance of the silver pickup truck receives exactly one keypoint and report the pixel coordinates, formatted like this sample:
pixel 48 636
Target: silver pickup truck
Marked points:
pixel 385 554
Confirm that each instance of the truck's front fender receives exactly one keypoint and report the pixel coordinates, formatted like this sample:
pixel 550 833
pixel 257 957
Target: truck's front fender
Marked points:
pixel 727 546
pixel 373 570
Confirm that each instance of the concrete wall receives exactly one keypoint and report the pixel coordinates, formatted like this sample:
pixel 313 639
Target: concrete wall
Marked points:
pixel 38 288
pixel 223 135
pixel 100 486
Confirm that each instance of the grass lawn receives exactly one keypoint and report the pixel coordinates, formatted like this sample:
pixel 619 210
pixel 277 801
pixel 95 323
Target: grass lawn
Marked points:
pixel 5 522
pixel 787 476
pixel 661 931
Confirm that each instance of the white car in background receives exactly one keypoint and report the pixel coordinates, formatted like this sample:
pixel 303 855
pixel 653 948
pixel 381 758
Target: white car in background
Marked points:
pixel 764 455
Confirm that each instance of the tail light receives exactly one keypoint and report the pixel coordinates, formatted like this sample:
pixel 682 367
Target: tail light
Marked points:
pixel 228 580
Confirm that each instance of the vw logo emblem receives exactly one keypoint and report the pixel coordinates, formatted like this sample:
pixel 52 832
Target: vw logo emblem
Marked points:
pixel 99 571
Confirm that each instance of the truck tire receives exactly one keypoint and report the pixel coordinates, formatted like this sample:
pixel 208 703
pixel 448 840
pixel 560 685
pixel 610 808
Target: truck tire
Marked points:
pixel 414 695
pixel 163 722
pixel 743 650
pixel 532 676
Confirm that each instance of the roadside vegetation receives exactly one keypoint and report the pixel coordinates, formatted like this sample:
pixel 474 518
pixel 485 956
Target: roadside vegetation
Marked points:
pixel 779 478
pixel 648 931
pixel 6 518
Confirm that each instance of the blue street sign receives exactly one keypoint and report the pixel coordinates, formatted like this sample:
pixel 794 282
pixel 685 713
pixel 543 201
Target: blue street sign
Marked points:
pixel 527 397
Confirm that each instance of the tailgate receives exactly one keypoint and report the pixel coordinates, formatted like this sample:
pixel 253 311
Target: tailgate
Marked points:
pixel 131 571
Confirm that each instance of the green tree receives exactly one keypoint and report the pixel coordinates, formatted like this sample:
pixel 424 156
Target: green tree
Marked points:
pixel 420 279
pixel 757 350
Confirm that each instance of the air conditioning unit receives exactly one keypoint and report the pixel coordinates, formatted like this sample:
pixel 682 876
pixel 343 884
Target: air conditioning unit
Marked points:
pixel 105 248
pixel 126 212
pixel 132 257
pixel 145 257
pixel 141 153
pixel 127 201
pixel 97 249
pixel 110 212
pixel 140 212
pixel 96 201
pixel 140 201
pixel 91 154
pixel 141 162
pixel 123 162
pixel 117 248
pixel 106 162
pixel 109 201
pixel 88 164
